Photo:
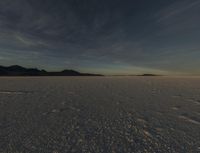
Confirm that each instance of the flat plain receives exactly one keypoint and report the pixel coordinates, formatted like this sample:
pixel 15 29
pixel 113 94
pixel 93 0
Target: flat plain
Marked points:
pixel 99 114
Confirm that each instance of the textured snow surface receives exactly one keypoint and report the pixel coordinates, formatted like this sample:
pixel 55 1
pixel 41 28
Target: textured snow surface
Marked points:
pixel 99 114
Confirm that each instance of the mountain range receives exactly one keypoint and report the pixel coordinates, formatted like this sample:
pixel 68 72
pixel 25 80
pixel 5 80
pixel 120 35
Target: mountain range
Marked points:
pixel 16 70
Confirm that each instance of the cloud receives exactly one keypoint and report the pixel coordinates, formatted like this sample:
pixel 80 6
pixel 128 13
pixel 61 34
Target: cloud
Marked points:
pixel 179 16
pixel 30 41
pixel 178 8
pixel 137 33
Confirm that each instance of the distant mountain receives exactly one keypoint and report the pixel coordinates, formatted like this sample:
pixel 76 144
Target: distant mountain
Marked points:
pixel 148 75
pixel 16 70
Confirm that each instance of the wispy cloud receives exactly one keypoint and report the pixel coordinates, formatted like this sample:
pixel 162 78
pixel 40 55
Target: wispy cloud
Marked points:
pixel 30 41
pixel 84 33
pixel 179 17
pixel 177 8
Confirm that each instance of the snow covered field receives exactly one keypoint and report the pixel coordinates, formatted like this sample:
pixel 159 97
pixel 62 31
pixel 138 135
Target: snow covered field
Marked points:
pixel 99 114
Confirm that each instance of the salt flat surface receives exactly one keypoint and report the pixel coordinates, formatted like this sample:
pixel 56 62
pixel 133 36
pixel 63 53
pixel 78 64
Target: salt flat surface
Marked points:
pixel 99 114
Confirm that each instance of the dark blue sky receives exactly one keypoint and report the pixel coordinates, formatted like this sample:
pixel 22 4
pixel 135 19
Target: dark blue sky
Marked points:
pixel 104 36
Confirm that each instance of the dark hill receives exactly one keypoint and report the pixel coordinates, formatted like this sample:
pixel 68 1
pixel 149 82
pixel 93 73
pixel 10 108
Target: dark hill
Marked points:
pixel 149 75
pixel 16 70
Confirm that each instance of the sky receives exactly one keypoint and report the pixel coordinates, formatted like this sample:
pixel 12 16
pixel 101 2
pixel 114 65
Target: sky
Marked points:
pixel 102 36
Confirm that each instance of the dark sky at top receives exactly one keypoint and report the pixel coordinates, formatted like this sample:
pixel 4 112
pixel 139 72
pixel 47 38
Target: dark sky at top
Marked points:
pixel 104 36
